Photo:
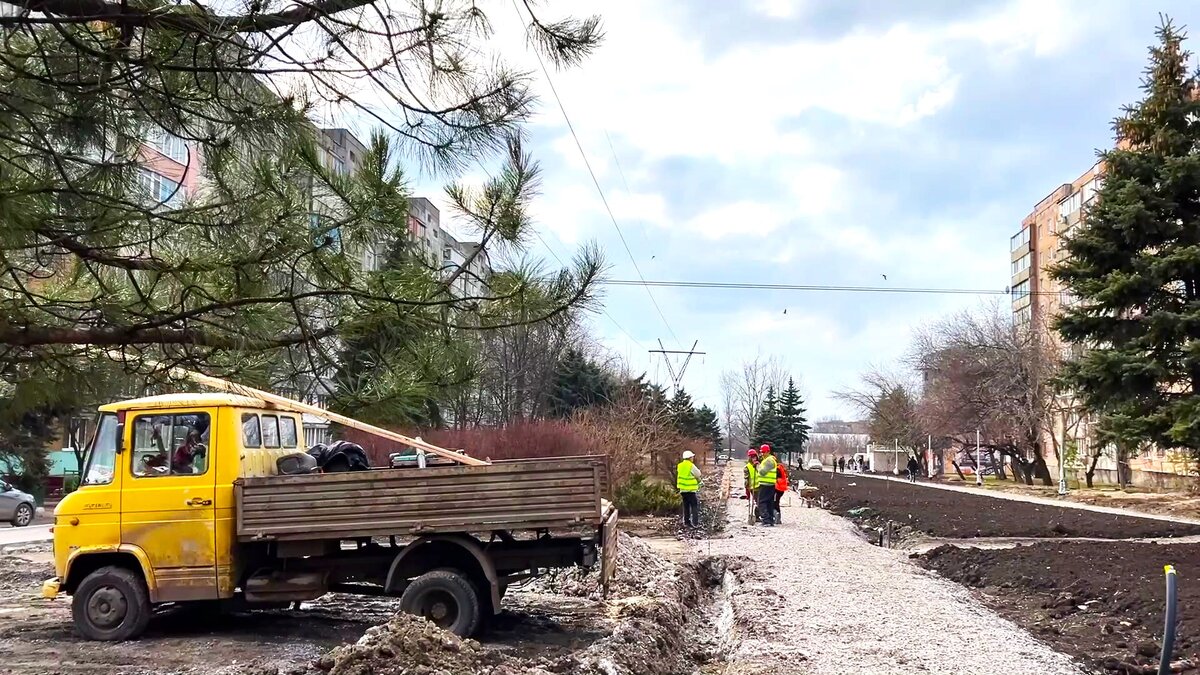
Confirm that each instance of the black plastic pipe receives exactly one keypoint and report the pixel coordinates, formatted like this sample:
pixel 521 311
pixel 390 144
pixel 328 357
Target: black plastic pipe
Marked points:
pixel 1168 643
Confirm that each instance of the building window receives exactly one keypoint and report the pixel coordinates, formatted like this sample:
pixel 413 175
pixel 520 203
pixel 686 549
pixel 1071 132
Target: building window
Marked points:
pixel 171 146
pixel 161 189
pixel 1020 290
pixel 446 253
pixel 1023 316
pixel 1019 239
pixel 1021 264
pixel 1070 205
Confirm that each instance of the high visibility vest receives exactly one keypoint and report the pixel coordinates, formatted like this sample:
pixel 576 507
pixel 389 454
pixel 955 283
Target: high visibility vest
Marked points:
pixel 781 483
pixel 751 476
pixel 769 477
pixel 684 480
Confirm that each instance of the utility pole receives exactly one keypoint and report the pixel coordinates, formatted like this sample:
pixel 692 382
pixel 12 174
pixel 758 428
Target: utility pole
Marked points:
pixel 676 377
pixel 896 458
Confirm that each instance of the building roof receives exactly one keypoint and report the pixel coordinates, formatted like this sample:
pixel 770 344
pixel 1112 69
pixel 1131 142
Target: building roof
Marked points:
pixel 186 400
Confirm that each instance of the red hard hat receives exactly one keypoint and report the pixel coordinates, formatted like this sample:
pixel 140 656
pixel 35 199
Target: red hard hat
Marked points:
pixel 752 453
pixel 764 449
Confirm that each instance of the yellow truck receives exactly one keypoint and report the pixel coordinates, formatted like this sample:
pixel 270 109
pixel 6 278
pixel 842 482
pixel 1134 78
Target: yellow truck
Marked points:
pixel 181 502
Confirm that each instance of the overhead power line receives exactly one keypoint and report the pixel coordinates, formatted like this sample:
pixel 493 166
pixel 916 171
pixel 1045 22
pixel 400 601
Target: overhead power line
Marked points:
pixel 595 181
pixel 809 287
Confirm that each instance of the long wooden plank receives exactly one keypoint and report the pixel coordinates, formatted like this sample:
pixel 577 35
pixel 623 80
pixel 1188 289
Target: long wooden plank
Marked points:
pixel 582 503
pixel 291 405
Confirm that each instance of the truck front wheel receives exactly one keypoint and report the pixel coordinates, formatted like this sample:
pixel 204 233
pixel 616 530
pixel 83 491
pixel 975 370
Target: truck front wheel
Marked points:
pixel 445 597
pixel 111 604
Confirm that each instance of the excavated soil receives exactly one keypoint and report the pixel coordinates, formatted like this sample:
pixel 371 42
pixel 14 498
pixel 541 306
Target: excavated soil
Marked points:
pixel 1101 602
pixel 951 514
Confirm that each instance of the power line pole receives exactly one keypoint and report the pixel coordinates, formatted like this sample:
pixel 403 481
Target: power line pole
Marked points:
pixel 676 376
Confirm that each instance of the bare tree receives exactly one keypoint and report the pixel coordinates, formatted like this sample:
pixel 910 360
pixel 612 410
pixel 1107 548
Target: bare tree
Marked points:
pixel 743 392
pixel 889 403
pixel 982 372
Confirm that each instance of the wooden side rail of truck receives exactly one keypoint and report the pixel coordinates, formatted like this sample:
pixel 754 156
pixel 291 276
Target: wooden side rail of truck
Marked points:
pixel 181 502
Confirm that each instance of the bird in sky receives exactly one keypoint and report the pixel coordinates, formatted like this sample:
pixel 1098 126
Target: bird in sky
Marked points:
pixel 785 310
pixel 884 276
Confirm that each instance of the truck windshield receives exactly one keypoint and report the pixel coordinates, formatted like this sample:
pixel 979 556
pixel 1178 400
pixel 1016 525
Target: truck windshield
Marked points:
pixel 102 455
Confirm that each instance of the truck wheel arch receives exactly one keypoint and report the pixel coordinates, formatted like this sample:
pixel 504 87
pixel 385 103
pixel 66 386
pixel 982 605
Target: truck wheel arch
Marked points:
pixel 84 561
pixel 430 553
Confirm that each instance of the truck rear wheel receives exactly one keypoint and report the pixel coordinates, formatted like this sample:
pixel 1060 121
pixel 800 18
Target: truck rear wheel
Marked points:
pixel 445 597
pixel 111 604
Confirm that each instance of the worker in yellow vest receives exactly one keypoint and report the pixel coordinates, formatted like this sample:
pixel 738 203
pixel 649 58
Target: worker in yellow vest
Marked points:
pixel 687 480
pixel 751 481
pixel 768 473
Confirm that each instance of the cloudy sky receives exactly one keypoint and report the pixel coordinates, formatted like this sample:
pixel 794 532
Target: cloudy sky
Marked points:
pixel 820 142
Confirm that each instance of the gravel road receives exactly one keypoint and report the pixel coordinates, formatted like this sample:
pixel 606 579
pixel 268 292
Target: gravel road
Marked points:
pixel 826 601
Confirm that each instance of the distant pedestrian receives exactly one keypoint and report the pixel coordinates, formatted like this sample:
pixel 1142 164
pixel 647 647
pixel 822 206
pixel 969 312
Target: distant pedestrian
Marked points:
pixel 914 468
pixel 768 472
pixel 687 480
pixel 842 464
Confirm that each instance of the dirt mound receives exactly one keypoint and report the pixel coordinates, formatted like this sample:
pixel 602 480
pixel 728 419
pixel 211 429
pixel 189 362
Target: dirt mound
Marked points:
pixel 1099 601
pixel 409 645
pixel 639 571
pixel 19 574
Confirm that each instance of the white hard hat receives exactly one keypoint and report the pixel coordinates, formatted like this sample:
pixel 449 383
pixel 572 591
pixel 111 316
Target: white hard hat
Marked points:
pixel 688 454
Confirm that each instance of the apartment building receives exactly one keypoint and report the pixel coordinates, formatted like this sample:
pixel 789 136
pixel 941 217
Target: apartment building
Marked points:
pixel 1041 242
pixel 444 252
pixel 1037 299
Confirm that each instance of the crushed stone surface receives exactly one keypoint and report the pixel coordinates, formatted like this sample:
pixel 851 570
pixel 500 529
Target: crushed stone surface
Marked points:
pixel 818 599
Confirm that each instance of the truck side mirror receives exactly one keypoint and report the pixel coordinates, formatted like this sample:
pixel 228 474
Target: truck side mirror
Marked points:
pixel 120 437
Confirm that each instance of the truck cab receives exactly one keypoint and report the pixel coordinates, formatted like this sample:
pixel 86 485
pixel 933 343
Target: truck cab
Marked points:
pixel 180 501
pixel 152 520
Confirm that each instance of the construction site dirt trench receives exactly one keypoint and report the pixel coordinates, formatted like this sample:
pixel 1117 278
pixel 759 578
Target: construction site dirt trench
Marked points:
pixel 666 613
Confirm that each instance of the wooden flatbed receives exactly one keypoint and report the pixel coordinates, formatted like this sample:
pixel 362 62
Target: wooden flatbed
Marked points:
pixel 559 495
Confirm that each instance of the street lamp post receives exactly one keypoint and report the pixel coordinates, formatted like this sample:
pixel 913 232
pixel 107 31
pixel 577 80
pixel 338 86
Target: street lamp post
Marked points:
pixel 1062 459
pixel 978 462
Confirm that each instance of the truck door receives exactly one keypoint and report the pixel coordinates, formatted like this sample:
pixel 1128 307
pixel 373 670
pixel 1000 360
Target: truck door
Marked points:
pixel 168 501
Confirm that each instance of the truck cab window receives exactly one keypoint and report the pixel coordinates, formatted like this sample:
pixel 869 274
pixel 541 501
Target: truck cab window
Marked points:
pixel 101 459
pixel 287 432
pixel 251 432
pixel 270 431
pixel 170 445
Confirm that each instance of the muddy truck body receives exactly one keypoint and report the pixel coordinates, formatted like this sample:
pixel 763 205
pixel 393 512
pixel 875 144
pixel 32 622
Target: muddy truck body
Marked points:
pixel 181 501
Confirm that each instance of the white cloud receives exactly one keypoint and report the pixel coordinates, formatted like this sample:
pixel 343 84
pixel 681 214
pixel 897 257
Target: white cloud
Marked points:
pixel 779 9
pixel 742 219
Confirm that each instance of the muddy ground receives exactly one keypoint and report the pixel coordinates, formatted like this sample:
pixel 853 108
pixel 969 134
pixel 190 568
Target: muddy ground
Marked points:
pixel 1101 602
pixel 946 513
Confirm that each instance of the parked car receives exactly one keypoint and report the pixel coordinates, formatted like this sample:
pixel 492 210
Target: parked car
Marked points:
pixel 722 457
pixel 815 465
pixel 15 506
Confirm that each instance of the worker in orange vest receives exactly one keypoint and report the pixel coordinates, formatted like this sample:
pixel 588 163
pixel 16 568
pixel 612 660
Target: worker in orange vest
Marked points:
pixel 781 486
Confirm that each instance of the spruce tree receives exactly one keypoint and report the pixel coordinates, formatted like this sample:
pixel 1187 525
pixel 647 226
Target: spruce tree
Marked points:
pixel 683 414
pixel 793 426
pixel 1134 265
pixel 767 428
pixel 709 426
